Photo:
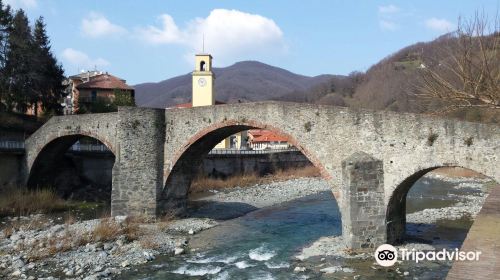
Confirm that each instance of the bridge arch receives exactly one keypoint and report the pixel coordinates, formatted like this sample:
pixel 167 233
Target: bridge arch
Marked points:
pixel 47 158
pixel 187 160
pixel 396 205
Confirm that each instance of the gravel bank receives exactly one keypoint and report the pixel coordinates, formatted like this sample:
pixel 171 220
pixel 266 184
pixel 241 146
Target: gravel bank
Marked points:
pixel 467 205
pixel 74 251
pixel 264 195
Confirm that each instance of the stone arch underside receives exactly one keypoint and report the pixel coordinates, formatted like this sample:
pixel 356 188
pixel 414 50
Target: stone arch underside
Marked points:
pixel 47 145
pixel 396 205
pixel 189 159
pixel 42 169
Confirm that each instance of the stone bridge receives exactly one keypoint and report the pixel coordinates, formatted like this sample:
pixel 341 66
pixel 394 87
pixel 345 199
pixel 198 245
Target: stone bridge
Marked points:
pixel 370 159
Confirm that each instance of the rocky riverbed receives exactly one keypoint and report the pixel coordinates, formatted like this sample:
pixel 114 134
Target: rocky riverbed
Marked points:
pixel 91 249
pixel 38 247
pixel 469 201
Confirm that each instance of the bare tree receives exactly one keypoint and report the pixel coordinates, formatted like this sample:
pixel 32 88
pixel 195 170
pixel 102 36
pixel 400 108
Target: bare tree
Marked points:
pixel 465 70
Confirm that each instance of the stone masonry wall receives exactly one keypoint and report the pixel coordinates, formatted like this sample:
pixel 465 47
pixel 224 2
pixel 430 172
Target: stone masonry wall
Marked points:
pixel 363 225
pixel 220 165
pixel 11 166
pixel 137 173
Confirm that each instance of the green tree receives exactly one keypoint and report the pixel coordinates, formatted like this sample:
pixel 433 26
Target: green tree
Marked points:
pixel 123 97
pixel 5 26
pixel 48 74
pixel 19 66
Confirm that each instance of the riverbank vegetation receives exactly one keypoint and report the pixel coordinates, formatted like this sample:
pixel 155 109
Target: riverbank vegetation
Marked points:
pixel 204 183
pixel 22 202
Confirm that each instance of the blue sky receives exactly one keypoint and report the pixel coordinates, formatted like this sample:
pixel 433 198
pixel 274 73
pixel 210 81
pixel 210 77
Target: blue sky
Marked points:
pixel 149 41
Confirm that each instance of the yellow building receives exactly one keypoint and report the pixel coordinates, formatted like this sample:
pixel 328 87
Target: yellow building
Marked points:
pixel 203 94
pixel 203 81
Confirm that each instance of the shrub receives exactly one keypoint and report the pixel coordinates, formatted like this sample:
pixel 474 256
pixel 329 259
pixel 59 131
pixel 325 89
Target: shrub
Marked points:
pixel 203 183
pixel 107 229
pixel 21 201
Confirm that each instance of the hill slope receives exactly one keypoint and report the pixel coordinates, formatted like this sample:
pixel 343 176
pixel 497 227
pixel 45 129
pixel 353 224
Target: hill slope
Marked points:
pixel 243 81
pixel 387 85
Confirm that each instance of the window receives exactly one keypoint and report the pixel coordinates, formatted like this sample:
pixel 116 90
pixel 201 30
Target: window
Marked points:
pixel 202 66
pixel 93 96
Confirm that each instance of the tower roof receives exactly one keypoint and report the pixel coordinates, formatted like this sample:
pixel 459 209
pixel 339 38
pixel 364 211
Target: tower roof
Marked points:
pixel 203 54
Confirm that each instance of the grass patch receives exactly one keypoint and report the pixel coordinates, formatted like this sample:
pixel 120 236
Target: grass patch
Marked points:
pixel 24 202
pixel 107 230
pixel 203 183
pixel 36 223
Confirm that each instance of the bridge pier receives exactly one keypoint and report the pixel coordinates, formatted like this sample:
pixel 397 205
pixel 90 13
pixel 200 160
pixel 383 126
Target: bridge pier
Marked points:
pixel 363 220
pixel 138 169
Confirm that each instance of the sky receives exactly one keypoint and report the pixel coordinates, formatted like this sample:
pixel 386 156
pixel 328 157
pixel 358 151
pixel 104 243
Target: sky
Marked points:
pixel 153 40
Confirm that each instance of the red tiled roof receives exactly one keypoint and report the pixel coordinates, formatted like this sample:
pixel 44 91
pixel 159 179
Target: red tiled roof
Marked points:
pixel 105 81
pixel 190 105
pixel 262 135
pixel 184 105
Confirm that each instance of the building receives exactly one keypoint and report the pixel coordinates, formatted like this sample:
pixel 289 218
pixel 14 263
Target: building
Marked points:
pixel 90 87
pixel 261 139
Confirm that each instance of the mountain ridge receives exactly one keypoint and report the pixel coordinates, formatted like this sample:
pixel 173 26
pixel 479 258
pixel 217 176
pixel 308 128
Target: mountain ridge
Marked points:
pixel 387 85
pixel 241 82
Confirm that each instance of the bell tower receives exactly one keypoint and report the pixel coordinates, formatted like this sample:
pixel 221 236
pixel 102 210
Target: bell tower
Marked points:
pixel 203 81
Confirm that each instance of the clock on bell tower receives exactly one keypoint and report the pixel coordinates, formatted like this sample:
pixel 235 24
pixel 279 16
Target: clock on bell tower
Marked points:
pixel 203 81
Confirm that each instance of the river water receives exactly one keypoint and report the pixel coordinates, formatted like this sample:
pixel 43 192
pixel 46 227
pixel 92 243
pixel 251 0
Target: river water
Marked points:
pixel 262 244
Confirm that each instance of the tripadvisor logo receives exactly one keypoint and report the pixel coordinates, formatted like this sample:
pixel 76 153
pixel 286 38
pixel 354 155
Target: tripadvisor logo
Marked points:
pixel 387 255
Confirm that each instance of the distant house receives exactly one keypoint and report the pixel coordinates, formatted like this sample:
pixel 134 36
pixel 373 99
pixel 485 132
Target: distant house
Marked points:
pixel 90 87
pixel 261 139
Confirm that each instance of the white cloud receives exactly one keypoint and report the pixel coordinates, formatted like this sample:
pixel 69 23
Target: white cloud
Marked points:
pixel 229 34
pixel 96 25
pixel 388 17
pixel 82 60
pixel 387 25
pixel 168 33
pixel 441 25
pixel 389 9
pixel 21 3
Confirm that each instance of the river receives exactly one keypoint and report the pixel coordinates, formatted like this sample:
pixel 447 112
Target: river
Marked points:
pixel 264 243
